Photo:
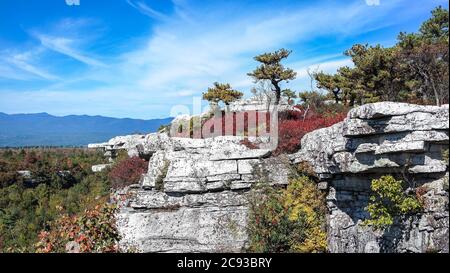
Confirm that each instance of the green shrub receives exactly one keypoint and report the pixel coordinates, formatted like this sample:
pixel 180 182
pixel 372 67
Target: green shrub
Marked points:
pixel 389 200
pixel 288 220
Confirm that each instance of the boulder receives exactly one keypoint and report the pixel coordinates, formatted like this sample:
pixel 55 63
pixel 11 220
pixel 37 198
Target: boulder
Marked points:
pixel 403 140
pixel 194 196
pixel 153 221
pixel 100 167
pixel 390 109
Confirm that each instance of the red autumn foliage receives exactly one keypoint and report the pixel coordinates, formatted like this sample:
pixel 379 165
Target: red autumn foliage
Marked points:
pixel 290 131
pixel 292 125
pixel 94 230
pixel 236 123
pixel 127 172
pixel 290 115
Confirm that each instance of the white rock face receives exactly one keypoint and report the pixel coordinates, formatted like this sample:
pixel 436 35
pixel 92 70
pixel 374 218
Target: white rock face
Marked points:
pixel 372 119
pixel 153 221
pixel 133 144
pixel 400 139
pixel 390 109
pixel 194 195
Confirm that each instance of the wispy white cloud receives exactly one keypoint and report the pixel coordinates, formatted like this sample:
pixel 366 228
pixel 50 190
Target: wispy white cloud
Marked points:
pixel 64 46
pixel 143 8
pixel 7 72
pixel 195 45
pixel 23 62
pixel 327 67
pixel 184 56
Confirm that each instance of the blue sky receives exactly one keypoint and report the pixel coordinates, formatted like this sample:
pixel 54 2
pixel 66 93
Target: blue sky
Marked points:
pixel 139 58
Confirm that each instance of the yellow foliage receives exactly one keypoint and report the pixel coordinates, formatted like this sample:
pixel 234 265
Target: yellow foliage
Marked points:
pixel 289 220
pixel 303 198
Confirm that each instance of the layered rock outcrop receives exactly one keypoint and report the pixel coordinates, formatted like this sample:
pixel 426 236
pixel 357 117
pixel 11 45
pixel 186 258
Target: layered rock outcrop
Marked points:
pixel 400 139
pixel 132 144
pixel 155 221
pixel 194 197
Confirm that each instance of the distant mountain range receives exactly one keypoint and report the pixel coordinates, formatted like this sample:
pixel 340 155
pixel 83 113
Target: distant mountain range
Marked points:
pixel 42 129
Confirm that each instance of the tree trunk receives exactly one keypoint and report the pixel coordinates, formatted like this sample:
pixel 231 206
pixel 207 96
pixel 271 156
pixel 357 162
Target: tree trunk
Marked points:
pixel 277 95
pixel 436 93
pixel 428 79
pixel 352 101
pixel 277 92
pixel 336 96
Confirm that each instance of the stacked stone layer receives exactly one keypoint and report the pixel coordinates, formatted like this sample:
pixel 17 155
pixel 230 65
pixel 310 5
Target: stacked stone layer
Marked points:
pixel 403 140
pixel 194 196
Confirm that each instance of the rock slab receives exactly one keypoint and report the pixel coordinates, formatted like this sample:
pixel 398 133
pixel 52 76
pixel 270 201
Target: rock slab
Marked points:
pixel 403 140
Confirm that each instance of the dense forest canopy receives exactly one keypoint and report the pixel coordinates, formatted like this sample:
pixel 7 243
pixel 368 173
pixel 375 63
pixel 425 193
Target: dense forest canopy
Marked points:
pixel 39 186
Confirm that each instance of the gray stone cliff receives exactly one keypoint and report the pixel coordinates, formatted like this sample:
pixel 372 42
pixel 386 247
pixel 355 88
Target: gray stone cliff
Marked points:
pixel 194 196
pixel 399 139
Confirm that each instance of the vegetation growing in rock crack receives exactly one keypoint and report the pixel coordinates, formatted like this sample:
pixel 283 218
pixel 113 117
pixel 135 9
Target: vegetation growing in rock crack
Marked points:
pixel 287 220
pixel 388 201
pixel 127 171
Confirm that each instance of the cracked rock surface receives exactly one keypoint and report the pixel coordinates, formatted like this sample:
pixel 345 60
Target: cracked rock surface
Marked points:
pixel 403 140
pixel 194 196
